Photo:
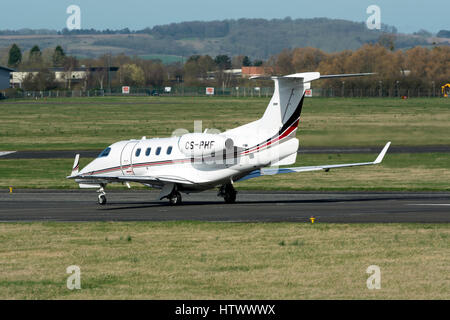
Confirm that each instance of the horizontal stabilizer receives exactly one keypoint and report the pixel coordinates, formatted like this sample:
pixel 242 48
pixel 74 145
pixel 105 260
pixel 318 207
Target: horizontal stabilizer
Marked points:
pixel 306 77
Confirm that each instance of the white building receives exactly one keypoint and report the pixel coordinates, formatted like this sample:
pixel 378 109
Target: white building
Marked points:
pixel 76 75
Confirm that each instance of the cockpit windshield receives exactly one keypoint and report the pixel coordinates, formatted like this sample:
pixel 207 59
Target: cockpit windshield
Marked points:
pixel 104 153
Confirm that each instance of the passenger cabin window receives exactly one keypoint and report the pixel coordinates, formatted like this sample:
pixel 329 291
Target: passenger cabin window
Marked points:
pixel 147 152
pixel 138 152
pixel 158 151
pixel 104 153
pixel 169 150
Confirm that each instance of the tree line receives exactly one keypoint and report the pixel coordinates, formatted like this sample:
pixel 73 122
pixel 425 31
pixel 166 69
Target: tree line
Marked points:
pixel 417 67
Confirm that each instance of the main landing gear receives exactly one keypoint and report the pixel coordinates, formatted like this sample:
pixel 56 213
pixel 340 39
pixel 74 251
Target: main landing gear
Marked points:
pixel 101 196
pixel 174 198
pixel 228 193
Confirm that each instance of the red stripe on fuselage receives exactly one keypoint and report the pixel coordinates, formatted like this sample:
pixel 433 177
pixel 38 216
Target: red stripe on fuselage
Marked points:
pixel 288 131
pixel 145 164
pixel 257 148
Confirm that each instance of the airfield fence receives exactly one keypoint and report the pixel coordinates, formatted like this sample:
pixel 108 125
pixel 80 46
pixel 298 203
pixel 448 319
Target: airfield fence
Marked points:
pixel 231 92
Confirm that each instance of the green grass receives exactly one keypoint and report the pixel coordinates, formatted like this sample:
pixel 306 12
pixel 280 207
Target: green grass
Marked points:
pixel 408 172
pixel 194 260
pixel 93 123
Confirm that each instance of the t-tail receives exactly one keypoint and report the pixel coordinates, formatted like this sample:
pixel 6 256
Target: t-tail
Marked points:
pixel 282 115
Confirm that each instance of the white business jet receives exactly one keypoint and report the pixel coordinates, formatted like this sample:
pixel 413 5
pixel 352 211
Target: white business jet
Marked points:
pixel 195 162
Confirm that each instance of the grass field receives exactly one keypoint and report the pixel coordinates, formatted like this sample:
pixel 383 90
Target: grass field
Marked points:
pixel 190 260
pixel 407 172
pixel 93 123
pixel 197 260
pixel 87 123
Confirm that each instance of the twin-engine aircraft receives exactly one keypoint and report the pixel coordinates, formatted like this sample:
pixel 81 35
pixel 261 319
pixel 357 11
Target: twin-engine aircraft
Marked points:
pixel 196 162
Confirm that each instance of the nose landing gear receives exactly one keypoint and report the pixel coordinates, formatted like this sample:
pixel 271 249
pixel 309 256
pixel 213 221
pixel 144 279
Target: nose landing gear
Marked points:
pixel 101 196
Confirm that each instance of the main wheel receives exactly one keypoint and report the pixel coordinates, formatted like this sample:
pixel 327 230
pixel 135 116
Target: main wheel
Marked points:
pixel 175 198
pixel 230 197
pixel 102 199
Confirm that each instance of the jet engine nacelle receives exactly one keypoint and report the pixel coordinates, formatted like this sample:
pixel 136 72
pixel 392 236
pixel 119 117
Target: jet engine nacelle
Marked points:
pixel 204 144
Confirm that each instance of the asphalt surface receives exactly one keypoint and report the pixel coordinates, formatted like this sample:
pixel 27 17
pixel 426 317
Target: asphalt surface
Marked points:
pixel 61 154
pixel 139 205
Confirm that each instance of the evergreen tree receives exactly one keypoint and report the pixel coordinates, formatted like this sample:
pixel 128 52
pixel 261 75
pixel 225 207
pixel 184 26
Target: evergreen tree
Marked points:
pixel 35 56
pixel 15 56
pixel 258 63
pixel 223 62
pixel 246 62
pixel 58 57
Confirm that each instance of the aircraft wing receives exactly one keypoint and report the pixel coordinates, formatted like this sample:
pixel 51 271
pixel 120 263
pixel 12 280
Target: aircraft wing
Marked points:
pixel 269 171
pixel 148 179
pixel 140 179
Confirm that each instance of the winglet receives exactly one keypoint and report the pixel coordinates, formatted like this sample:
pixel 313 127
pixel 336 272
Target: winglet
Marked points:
pixel 76 165
pixel 382 153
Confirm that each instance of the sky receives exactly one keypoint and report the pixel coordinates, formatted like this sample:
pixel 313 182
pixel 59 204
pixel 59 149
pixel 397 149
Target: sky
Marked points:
pixel 406 15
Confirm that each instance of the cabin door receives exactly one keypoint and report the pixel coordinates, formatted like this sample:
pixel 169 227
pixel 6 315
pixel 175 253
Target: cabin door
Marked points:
pixel 125 158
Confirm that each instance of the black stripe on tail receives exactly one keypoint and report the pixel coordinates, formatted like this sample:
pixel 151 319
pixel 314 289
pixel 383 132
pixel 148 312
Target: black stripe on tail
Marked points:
pixel 295 115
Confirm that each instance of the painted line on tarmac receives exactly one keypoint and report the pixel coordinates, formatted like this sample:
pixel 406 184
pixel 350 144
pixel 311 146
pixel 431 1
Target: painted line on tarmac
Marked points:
pixel 4 153
pixel 429 204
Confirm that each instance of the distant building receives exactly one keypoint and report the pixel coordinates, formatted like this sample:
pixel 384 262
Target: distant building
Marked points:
pixel 211 75
pixel 405 73
pixel 248 72
pixel 234 72
pixel 77 75
pixel 5 76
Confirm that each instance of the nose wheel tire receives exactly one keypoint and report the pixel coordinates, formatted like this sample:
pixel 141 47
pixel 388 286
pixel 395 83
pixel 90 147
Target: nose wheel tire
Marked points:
pixel 102 199
pixel 175 199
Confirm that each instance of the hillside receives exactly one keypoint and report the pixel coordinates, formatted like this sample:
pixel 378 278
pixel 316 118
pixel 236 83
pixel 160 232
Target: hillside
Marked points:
pixel 257 38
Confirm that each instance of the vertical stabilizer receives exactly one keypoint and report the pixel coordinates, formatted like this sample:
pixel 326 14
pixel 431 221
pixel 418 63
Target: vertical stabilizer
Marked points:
pixel 285 107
